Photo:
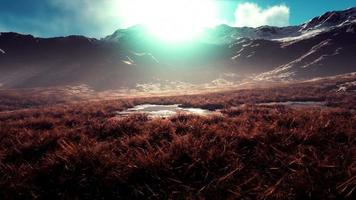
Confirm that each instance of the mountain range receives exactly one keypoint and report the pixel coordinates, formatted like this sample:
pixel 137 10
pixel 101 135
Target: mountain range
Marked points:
pixel 324 46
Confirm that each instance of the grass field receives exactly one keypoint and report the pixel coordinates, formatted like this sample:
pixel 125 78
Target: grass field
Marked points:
pixel 82 150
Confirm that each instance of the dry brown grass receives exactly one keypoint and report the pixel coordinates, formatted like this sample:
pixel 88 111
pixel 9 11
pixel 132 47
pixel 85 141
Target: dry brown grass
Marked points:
pixel 83 151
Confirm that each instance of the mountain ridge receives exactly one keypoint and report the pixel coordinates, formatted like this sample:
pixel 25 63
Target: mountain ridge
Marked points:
pixel 324 46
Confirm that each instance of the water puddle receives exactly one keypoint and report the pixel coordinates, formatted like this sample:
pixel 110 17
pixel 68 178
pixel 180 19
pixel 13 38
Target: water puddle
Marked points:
pixel 296 103
pixel 164 111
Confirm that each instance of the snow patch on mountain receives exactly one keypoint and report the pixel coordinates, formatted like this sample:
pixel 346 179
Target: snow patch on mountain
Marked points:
pixel 330 19
pixel 288 71
pixel 348 86
pixel 302 35
pixel 147 56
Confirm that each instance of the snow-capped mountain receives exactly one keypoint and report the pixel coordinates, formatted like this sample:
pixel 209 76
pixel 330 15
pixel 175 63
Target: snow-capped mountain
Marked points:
pixel 331 19
pixel 317 25
pixel 324 46
pixel 334 54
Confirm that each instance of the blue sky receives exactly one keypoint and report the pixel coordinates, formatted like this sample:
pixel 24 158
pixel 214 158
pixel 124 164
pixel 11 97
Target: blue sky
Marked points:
pixel 98 18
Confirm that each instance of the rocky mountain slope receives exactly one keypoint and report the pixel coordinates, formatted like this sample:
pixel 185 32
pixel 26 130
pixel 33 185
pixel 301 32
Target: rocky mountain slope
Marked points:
pixel 324 46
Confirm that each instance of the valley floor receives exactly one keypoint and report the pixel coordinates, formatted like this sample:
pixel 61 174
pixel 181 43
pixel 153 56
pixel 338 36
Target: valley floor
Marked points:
pixel 65 149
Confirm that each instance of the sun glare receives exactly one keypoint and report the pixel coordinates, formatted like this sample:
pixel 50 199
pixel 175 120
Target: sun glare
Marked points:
pixel 174 20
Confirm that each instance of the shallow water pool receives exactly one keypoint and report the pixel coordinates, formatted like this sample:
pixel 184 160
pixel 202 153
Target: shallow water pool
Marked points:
pixel 296 103
pixel 163 111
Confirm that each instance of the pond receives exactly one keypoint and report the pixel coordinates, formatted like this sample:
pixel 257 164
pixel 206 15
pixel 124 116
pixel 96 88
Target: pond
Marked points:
pixel 296 103
pixel 164 111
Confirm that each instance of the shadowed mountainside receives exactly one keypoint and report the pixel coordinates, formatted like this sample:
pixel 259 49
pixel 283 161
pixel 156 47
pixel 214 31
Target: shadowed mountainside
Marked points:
pixel 324 46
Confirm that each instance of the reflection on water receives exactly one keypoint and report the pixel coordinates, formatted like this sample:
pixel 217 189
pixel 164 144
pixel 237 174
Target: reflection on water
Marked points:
pixel 296 103
pixel 163 111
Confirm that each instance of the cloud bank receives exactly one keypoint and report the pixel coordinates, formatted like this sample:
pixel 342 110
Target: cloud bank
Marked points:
pixel 49 18
pixel 98 18
pixel 252 15
pixel 93 18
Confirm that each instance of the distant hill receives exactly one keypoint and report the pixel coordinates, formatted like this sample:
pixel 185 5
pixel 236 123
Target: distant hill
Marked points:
pixel 324 46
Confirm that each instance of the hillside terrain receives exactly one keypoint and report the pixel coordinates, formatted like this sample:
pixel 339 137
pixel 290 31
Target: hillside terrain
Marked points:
pixel 129 58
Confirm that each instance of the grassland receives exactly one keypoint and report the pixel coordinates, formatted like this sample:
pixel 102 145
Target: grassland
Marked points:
pixel 84 151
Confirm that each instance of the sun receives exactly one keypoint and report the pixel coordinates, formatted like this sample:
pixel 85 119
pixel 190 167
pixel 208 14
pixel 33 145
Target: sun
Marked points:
pixel 181 19
pixel 173 20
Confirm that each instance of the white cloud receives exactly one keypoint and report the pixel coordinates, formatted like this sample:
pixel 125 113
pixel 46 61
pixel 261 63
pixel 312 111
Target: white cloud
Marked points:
pixel 252 15
pixel 90 17
pixel 100 18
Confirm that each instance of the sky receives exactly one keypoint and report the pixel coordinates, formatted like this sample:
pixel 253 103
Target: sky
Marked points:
pixel 99 18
